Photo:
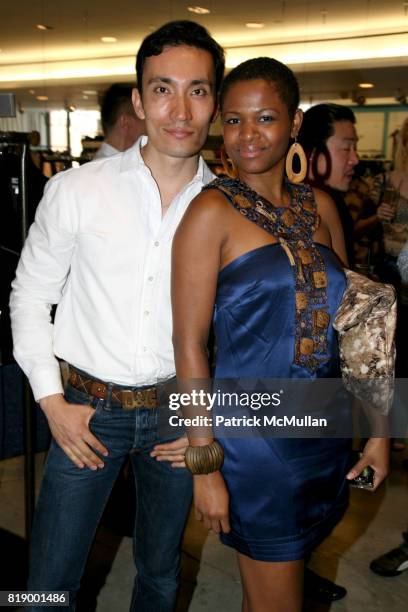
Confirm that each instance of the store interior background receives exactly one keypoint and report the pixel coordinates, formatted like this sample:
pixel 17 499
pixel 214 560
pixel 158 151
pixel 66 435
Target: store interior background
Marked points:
pixel 57 58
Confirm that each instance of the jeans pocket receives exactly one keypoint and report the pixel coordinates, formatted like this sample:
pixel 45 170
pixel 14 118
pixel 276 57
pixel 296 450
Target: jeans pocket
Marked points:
pixel 97 405
pixel 75 396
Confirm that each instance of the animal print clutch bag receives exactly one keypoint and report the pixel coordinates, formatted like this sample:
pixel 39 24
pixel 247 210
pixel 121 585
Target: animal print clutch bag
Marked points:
pixel 366 322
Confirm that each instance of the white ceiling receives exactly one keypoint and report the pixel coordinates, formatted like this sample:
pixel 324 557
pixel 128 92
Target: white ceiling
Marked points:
pixel 332 44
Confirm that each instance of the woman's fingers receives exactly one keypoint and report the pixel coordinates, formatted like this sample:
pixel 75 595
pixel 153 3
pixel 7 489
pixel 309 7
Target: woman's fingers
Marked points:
pixel 357 468
pixel 380 474
pixel 217 524
pixel 207 522
pixel 225 525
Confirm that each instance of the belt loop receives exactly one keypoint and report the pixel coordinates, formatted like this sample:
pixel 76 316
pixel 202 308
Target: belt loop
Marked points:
pixel 108 396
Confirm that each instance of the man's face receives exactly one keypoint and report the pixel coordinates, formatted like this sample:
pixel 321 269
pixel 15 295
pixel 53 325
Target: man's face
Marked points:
pixel 178 100
pixel 343 154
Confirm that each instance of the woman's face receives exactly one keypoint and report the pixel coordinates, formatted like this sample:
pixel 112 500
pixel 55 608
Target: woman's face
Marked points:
pixel 256 126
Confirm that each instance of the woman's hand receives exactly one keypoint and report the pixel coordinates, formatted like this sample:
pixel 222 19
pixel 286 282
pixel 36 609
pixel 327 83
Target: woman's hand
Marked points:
pixel 211 502
pixel 376 454
pixel 173 452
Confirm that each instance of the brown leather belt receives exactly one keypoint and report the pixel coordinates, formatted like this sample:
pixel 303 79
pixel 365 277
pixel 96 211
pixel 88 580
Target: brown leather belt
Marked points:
pixel 128 398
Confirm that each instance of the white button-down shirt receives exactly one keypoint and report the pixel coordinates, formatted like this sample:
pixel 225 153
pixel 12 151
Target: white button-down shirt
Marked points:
pixel 100 249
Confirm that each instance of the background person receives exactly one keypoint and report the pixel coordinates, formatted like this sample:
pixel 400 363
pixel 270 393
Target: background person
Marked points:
pixel 390 194
pixel 329 138
pixel 121 126
pixel 395 561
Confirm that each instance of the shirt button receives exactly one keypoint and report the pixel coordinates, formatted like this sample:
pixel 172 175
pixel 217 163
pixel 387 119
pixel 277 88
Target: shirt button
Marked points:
pixel 144 349
pixel 150 278
pixel 156 243
pixel 146 313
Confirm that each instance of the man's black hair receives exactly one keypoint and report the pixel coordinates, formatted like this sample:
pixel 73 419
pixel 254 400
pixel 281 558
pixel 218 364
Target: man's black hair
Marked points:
pixel 116 101
pixel 318 125
pixel 270 70
pixel 177 33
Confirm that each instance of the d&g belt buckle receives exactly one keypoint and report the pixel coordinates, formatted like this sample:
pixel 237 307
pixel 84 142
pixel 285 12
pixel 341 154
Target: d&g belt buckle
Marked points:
pixel 145 398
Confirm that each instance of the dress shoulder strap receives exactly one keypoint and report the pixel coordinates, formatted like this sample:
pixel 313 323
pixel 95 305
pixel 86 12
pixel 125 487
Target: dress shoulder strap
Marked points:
pixel 304 196
pixel 299 221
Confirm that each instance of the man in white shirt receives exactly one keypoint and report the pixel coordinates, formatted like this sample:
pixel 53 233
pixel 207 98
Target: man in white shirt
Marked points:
pixel 100 249
pixel 121 126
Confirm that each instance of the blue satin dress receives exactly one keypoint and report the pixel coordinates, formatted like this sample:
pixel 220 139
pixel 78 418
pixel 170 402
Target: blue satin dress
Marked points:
pixel 286 494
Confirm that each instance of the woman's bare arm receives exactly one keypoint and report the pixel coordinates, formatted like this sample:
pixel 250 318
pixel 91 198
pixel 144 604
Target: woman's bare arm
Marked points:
pixel 196 260
pixel 196 257
pixel 376 451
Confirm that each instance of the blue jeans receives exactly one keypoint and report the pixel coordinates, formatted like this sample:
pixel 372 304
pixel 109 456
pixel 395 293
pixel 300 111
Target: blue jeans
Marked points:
pixel 72 500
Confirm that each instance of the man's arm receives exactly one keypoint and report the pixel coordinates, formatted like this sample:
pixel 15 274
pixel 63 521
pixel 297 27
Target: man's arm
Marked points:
pixel 41 275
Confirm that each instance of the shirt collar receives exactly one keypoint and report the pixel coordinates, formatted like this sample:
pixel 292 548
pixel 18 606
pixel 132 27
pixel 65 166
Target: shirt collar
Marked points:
pixel 132 158
pixel 107 149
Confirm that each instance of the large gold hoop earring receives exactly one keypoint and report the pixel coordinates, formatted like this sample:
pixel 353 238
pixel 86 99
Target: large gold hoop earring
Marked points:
pixel 228 165
pixel 296 177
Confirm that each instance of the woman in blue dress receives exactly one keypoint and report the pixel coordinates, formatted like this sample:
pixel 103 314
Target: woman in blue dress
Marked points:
pixel 263 256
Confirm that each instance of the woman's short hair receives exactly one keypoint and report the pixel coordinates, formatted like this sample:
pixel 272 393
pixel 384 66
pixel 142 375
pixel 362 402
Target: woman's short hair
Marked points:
pixel 267 69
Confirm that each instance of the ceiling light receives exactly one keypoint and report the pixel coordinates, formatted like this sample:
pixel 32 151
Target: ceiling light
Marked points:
pixel 85 97
pixel 43 26
pixel 255 25
pixel 41 98
pixel 109 39
pixel 89 92
pixel 198 10
pixel 366 85
pixel 31 91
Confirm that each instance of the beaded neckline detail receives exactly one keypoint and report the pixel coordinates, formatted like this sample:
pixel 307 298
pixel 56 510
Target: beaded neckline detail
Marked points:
pixel 293 227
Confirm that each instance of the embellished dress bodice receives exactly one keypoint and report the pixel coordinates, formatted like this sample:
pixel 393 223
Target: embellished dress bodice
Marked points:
pixel 275 304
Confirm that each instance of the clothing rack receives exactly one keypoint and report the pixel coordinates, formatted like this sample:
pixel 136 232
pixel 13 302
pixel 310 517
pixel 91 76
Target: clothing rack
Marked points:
pixel 18 142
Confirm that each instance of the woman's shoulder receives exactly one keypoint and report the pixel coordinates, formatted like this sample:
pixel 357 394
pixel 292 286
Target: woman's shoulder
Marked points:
pixel 210 203
pixel 205 218
pixel 324 201
pixel 328 209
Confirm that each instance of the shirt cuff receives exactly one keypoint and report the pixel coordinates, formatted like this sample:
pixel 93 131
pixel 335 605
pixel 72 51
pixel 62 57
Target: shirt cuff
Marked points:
pixel 46 381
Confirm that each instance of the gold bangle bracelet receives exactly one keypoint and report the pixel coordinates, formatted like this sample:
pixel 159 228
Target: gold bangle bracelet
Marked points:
pixel 204 459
